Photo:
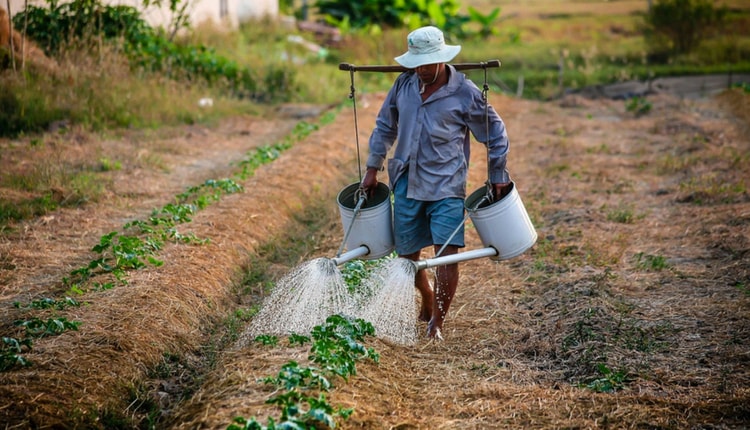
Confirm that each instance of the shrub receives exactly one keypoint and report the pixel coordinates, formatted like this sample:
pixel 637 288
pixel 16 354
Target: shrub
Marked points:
pixel 404 13
pixel 681 25
pixel 21 110
pixel 82 24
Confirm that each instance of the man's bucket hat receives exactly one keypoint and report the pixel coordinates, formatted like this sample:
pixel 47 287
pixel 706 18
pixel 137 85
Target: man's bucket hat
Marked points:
pixel 427 46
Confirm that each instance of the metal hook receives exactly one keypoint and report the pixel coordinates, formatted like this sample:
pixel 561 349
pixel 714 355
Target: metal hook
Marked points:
pixel 360 196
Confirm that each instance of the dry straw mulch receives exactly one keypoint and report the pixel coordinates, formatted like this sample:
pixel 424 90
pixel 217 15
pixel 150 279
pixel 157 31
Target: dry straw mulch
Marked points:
pixel 641 269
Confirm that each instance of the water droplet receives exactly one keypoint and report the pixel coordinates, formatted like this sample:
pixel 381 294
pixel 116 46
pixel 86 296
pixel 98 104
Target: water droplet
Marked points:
pixel 316 289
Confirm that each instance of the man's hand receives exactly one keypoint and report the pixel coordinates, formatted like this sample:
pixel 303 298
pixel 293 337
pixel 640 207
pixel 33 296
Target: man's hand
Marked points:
pixel 501 190
pixel 370 182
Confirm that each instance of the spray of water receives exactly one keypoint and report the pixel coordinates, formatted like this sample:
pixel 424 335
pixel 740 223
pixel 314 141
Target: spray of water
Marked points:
pixel 316 289
pixel 302 299
pixel 391 305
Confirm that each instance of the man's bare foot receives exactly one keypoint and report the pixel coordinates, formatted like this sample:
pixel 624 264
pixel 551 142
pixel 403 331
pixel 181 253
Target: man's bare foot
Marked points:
pixel 434 332
pixel 425 313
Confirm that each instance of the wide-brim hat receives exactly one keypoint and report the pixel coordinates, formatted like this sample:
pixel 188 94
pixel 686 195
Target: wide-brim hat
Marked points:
pixel 427 46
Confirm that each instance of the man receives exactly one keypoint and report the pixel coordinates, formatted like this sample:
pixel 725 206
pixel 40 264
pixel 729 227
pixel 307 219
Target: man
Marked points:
pixel 430 111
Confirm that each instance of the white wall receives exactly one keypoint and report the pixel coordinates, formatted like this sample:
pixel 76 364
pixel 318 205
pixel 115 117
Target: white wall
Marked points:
pixel 255 9
pixel 222 12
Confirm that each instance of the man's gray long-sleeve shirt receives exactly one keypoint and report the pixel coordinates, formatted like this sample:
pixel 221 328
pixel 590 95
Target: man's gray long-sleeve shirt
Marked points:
pixel 433 136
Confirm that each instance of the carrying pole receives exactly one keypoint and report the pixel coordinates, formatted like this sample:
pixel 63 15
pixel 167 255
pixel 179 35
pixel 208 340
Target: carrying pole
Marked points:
pixel 387 69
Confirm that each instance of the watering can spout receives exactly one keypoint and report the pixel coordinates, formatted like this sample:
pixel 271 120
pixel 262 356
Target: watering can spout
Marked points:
pixel 455 258
pixel 351 255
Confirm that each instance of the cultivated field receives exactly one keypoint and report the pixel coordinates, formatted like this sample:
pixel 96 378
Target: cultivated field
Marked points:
pixel 639 280
pixel 632 310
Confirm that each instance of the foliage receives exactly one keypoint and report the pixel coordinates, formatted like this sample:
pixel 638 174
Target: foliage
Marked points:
pixel 267 339
pixel 300 389
pixel 80 22
pixel 682 24
pixel 48 303
pixel 639 106
pixel 355 271
pixel 179 13
pixel 621 214
pixel 22 111
pixel 610 381
pixel 36 327
pixel 274 74
pixel 406 13
pixel 12 349
pixel 84 23
pixel 651 262
pixel 118 252
pixel 487 22
pixel 11 353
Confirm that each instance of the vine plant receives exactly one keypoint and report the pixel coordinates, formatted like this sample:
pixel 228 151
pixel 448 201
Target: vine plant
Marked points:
pixel 135 248
pixel 12 349
pixel 301 397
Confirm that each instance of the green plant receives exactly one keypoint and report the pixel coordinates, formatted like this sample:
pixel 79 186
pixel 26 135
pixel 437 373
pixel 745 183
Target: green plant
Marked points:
pixel 267 339
pixel 682 24
pixel 708 188
pixel 487 22
pixel 301 399
pixel 36 327
pixel 584 330
pixel 12 349
pixel 335 344
pixel 11 353
pixel 84 23
pixel 49 303
pixel 610 381
pixel 622 215
pixel 638 105
pixel 108 165
pixel 298 339
pixel 395 14
pixel 651 262
pixel 743 287
pixel 22 111
pixel 180 18
pixel 354 272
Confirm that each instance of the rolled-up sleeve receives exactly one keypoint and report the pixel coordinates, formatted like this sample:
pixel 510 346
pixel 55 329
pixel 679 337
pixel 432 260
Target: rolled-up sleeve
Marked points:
pixel 385 132
pixel 480 122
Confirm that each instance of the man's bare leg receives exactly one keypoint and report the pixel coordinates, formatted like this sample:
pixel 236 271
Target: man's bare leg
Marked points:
pixel 422 283
pixel 446 282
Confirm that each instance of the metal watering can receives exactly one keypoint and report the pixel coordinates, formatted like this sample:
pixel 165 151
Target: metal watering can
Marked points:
pixel 503 226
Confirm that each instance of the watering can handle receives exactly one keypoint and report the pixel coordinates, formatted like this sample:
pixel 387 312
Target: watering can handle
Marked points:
pixel 458 66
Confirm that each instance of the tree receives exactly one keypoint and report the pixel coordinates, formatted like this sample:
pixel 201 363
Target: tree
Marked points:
pixel 682 24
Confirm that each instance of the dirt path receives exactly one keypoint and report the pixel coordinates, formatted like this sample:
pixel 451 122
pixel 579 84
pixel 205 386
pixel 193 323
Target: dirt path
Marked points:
pixel 639 278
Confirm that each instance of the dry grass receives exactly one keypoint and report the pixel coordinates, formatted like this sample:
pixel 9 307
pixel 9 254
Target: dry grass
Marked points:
pixel 662 298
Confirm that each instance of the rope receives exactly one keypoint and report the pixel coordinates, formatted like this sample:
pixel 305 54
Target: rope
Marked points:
pixel 356 126
pixel 361 201
pixel 485 98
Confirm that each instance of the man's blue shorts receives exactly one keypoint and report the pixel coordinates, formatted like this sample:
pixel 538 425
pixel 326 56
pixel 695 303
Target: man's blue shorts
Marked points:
pixel 418 224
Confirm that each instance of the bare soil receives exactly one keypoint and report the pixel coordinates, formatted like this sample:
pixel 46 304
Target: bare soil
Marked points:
pixel 640 278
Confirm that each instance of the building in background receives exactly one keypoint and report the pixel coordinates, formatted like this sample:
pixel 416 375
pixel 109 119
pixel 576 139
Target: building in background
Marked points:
pixel 220 12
